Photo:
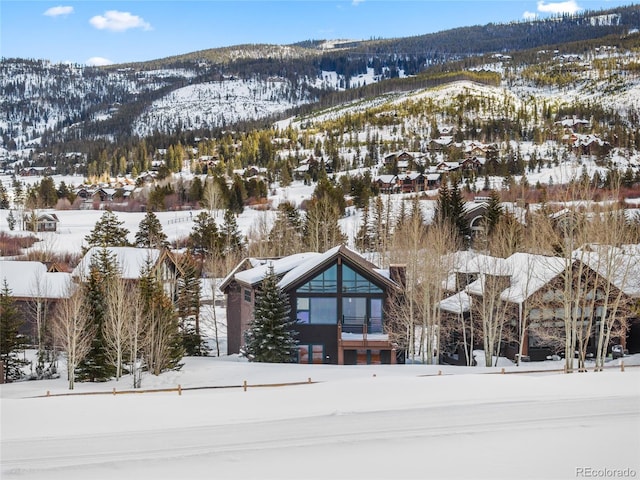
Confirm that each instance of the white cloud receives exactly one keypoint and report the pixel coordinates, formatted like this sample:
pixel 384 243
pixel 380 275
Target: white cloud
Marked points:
pixel 355 3
pixel 57 11
pixel 570 7
pixel 118 21
pixel 98 62
pixel 529 15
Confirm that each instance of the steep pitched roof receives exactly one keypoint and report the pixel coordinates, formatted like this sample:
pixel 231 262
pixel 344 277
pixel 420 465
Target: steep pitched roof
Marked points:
pixel 619 265
pixel 529 273
pixel 281 266
pixel 319 262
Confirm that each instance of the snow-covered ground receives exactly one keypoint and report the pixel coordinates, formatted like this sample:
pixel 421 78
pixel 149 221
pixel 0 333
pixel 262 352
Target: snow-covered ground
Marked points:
pixel 402 421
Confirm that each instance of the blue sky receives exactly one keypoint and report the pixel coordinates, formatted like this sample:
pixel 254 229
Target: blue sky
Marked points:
pixel 97 32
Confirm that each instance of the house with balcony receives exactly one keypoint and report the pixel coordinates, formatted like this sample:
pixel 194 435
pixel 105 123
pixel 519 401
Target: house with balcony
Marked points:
pixel 337 300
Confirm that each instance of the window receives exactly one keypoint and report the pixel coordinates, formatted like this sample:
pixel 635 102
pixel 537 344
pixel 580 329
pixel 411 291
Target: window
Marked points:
pixel 375 322
pixel 353 282
pixel 313 353
pixel 317 310
pixel 354 309
pixel 326 282
pixel 247 295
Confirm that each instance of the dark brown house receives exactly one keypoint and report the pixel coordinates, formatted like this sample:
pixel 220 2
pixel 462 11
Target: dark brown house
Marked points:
pixel 337 299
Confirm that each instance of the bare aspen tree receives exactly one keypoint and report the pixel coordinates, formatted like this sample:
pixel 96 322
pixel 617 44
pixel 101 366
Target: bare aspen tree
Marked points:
pixel 572 298
pixel 119 302
pixel 38 305
pixel 406 250
pixel 136 337
pixel 487 307
pixel 163 344
pixel 615 271
pixel 423 251
pixel 436 264
pixel 73 331
pixel 159 333
pixel 212 196
pixel 212 266
pixel 321 229
pixel 258 235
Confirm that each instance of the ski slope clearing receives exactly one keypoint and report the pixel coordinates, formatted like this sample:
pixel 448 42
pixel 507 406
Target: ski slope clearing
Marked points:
pixel 402 421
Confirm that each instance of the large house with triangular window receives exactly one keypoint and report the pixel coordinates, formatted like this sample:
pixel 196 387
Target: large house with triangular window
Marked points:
pixel 337 298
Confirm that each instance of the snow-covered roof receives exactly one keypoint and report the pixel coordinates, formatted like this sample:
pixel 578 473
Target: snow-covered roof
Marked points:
pixel 410 176
pixel 31 280
pixel 458 303
pixel 296 273
pixel 620 266
pixel 386 178
pixel 280 266
pixel 130 261
pixel 470 261
pixel 443 140
pixel 304 267
pixel 529 273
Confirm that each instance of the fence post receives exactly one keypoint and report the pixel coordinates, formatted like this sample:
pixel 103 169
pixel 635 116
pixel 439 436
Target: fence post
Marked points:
pixel 48 393
pixel 502 371
pixel 114 390
pixel 244 386
pixel 621 366
pixel 309 380
pixel 179 389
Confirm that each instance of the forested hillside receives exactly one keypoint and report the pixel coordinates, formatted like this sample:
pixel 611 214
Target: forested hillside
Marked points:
pixel 45 105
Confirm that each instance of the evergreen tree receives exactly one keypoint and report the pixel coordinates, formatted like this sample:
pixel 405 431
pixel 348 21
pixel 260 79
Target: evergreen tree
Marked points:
pixel 230 235
pixel 204 238
pixel 364 237
pixel 494 212
pixel 96 367
pixel 443 205
pixel 64 192
pixel 11 220
pixel 458 218
pixel 450 208
pixel 285 237
pixel 196 190
pixel 237 195
pixel 270 337
pixel 4 197
pixel 108 232
pixel 188 307
pixel 11 342
pixel 150 234
pixel 46 193
pixel 402 216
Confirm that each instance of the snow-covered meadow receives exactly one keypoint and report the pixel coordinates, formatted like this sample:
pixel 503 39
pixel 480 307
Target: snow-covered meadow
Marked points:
pixel 378 421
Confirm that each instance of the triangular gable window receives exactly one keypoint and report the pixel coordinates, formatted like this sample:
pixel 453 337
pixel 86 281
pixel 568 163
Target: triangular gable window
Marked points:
pixel 326 282
pixel 353 282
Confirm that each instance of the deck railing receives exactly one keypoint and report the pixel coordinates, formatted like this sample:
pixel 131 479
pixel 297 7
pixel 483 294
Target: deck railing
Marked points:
pixel 361 324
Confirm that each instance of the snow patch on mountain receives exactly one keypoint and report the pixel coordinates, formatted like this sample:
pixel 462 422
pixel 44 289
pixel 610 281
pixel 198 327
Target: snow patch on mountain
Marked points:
pixel 216 104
